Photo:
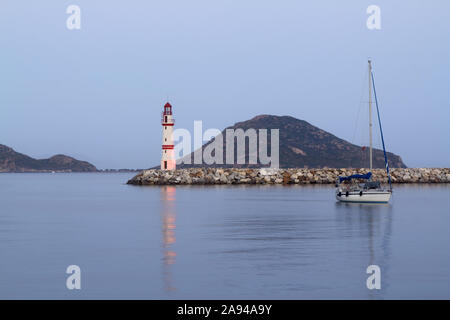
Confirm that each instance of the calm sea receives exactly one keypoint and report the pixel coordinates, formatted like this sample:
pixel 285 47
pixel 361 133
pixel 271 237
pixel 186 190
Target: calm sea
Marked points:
pixel 237 242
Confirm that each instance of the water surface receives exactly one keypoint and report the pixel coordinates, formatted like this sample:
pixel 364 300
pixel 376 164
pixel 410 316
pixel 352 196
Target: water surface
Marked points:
pixel 208 242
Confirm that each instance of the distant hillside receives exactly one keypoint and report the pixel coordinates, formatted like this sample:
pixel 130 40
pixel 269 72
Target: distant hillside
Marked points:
pixel 12 161
pixel 304 145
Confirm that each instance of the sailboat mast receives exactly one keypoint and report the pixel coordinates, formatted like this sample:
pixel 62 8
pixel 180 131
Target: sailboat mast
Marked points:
pixel 370 114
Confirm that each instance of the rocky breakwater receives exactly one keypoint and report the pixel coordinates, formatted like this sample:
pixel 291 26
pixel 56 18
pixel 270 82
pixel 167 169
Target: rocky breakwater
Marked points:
pixel 205 176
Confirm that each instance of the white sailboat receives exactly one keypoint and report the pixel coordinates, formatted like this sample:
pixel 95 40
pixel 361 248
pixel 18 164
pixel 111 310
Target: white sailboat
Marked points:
pixel 369 191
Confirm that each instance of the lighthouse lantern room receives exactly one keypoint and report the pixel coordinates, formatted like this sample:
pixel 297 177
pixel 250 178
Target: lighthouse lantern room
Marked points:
pixel 168 161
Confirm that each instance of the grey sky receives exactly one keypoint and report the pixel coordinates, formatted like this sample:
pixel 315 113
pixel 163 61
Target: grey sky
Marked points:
pixel 97 93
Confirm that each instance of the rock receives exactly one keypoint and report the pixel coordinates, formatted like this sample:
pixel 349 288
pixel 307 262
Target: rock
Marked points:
pixel 283 176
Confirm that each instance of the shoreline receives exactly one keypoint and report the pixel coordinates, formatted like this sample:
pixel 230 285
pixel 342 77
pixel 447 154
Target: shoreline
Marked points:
pixel 223 176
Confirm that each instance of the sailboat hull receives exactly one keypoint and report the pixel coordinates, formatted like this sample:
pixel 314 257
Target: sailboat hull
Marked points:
pixel 369 196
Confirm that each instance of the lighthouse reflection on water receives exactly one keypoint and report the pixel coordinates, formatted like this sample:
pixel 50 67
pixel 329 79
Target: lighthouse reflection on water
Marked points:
pixel 168 218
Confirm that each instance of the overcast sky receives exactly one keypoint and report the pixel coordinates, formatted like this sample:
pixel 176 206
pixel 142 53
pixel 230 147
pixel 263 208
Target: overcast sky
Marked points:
pixel 97 93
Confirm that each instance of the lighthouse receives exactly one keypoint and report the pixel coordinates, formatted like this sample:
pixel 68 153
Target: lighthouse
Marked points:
pixel 168 161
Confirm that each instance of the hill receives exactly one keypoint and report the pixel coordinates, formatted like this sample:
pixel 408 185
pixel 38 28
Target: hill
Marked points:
pixel 303 145
pixel 12 161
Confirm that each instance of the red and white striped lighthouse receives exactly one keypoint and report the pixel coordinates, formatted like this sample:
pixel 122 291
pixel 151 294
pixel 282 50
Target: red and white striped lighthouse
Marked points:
pixel 168 161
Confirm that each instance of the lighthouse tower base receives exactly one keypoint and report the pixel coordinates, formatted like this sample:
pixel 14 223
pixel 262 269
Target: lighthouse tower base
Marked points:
pixel 168 161
pixel 168 164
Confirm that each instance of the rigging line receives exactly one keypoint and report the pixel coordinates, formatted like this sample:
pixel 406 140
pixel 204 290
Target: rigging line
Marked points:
pixel 359 108
pixel 381 131
pixel 357 115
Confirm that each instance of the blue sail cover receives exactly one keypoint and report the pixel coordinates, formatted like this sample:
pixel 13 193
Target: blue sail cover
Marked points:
pixel 367 176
